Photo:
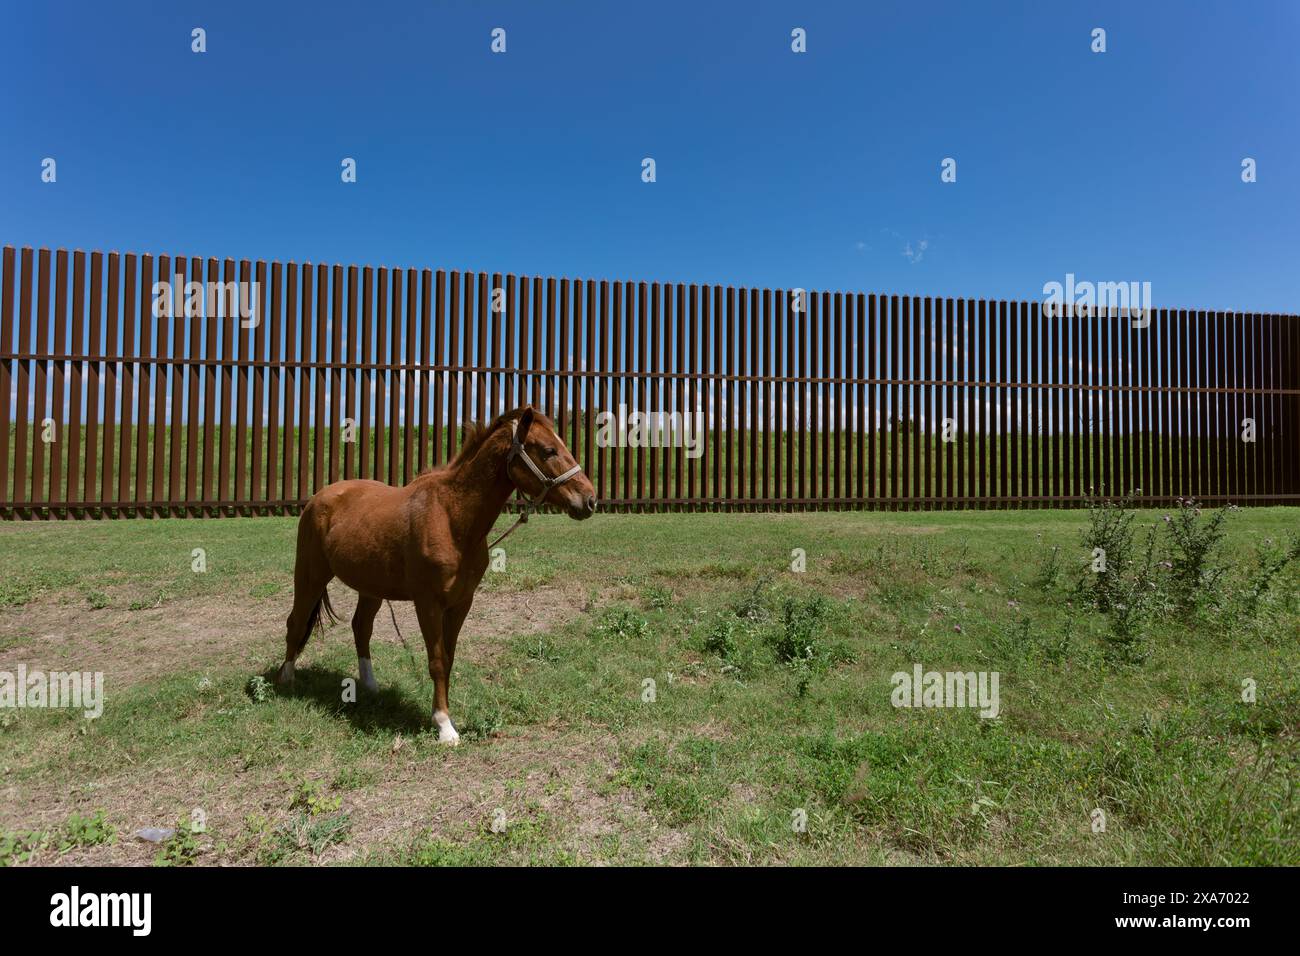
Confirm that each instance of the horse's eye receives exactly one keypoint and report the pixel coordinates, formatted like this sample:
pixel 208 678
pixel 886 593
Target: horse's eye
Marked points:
pixel 549 452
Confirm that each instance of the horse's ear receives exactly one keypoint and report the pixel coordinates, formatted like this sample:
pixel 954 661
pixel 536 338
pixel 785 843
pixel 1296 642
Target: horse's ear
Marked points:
pixel 525 423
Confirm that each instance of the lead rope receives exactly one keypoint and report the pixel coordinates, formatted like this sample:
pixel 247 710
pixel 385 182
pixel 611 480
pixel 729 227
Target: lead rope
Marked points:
pixel 409 656
pixel 522 519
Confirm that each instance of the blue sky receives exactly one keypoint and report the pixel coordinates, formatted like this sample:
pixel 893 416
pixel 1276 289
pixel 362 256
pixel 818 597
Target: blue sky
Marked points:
pixel 819 170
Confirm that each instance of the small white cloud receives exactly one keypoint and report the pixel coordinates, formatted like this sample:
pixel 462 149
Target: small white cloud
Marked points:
pixel 914 254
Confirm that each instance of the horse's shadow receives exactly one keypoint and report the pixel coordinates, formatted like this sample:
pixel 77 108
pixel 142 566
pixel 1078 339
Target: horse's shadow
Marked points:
pixel 387 710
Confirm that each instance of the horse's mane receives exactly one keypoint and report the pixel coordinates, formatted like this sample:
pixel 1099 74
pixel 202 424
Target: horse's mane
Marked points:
pixel 474 434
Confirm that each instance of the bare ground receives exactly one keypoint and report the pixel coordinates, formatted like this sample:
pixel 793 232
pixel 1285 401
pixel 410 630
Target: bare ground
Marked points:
pixel 419 787
pixel 59 631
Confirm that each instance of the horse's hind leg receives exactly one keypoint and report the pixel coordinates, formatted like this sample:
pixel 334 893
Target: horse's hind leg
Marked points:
pixel 363 623
pixel 311 576
pixel 307 603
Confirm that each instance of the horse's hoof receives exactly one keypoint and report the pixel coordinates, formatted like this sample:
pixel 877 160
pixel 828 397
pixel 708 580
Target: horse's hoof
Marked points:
pixel 446 732
pixel 367 675
pixel 284 679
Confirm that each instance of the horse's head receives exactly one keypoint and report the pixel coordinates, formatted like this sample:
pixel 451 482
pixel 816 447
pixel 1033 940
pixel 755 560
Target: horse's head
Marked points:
pixel 546 471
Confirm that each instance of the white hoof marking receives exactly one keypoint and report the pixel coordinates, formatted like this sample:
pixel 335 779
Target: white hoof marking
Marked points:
pixel 446 732
pixel 285 677
pixel 367 675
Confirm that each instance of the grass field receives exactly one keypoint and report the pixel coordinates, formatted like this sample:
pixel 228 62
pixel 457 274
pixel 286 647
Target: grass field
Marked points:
pixel 771 700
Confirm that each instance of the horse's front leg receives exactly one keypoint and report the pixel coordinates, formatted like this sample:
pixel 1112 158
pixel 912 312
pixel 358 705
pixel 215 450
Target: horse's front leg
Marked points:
pixel 452 619
pixel 430 615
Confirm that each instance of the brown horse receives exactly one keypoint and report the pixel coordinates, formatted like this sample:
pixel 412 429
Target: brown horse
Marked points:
pixel 426 542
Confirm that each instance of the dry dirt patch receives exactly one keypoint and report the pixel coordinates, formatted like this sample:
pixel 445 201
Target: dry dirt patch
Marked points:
pixel 421 790
pixel 58 631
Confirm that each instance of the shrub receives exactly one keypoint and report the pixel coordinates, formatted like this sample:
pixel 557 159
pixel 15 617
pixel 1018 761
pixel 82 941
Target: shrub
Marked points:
pixel 720 637
pixel 259 689
pixel 751 605
pixel 1109 540
pixel 1194 573
pixel 86 831
pixel 1049 570
pixel 308 797
pixel 21 846
pixel 1270 561
pixel 1126 584
pixel 622 623
pixel 1134 595
pixel 658 597
pixel 801 624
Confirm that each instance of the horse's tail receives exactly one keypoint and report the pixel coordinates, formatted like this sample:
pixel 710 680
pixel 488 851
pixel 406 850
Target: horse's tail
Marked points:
pixel 316 621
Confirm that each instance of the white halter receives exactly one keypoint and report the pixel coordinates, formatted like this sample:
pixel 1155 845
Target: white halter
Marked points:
pixel 531 504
